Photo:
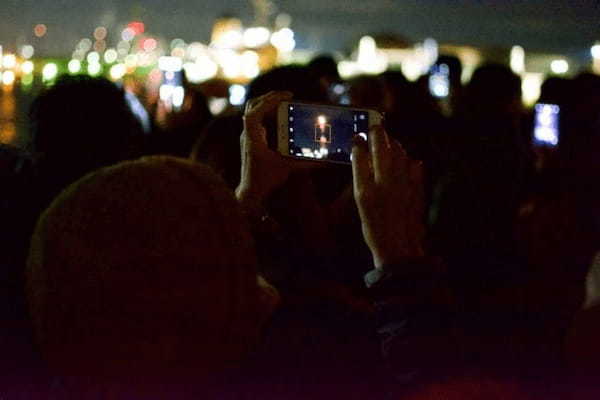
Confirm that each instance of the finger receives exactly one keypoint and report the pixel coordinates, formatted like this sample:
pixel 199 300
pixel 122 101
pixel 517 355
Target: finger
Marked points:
pixel 380 153
pixel 361 171
pixel 255 112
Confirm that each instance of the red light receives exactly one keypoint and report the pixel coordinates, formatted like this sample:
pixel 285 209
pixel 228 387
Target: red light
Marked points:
pixel 149 44
pixel 40 30
pixel 137 26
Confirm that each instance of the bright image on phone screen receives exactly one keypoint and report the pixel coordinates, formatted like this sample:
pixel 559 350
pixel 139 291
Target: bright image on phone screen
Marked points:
pixel 325 133
pixel 545 131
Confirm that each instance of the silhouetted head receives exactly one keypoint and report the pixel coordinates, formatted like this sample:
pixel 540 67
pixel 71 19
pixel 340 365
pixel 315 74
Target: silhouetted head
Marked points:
pixel 555 90
pixel 367 91
pixel 82 123
pixel 146 268
pixel 493 90
pixel 295 79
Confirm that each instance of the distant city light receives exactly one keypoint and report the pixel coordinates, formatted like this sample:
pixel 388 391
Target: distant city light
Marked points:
pixel 517 60
pixel 283 40
pixel 202 70
pixel 93 58
pixel 85 45
pixel 8 78
pixel 118 71
pixel 74 66
pixel 128 34
pixel 27 67
pixel 231 39
pixel 172 64
pixel 27 51
pixel 40 30
pixel 137 27
pixel 49 72
pixel 110 56
pixel 237 95
pixel 256 37
pixel 595 50
pixel 100 46
pixel 94 69
pixel 559 66
pixel 249 67
pixel 100 33
pixel 9 61
pixel 369 59
pixel 177 43
pixel 531 87
pixel 149 44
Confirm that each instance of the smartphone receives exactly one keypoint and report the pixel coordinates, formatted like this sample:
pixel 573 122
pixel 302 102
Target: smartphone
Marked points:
pixel 546 131
pixel 439 81
pixel 322 132
pixel 171 88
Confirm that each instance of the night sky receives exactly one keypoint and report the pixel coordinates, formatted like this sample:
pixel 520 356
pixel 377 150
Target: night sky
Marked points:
pixel 563 26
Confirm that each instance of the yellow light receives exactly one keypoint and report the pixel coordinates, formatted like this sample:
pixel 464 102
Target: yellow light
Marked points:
pixel 8 78
pixel 94 69
pixel 9 61
pixel 531 87
pixel 321 120
pixel 49 72
pixel 559 66
pixel 517 60
pixel 229 61
pixel 27 67
pixel 369 59
pixel 118 71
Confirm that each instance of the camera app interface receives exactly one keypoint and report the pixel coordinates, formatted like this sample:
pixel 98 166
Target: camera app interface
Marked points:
pixel 546 124
pixel 324 133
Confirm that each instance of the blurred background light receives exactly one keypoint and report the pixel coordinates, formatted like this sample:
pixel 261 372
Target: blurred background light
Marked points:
pixel 49 72
pixel 559 66
pixel 237 95
pixel 74 66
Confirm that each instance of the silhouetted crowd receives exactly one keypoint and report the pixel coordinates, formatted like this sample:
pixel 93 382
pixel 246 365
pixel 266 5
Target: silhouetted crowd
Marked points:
pixel 187 259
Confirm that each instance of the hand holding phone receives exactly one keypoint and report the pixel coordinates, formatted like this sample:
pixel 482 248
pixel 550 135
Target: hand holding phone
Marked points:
pixel 263 170
pixel 546 125
pixel 388 190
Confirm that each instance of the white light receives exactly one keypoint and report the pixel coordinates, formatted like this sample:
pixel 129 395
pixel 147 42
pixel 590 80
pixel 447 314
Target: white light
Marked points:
pixel 94 69
pixel 128 34
pixel 177 43
pixel 230 62
pixel 348 69
pixel 165 92
pixel 430 52
pixel 93 58
pixel 256 37
pixel 131 61
pixel 84 45
pixel 9 61
pixel 283 40
pixel 110 56
pixel 369 59
pixel 74 66
pixel 49 72
pixel 559 66
pixel 172 64
pixel 517 60
pixel 118 71
pixel 8 78
pixel 27 51
pixel 231 39
pixel 595 50
pixel 217 105
pixel 27 67
pixel 178 95
pixel 237 95
pixel 200 71
pixel 250 68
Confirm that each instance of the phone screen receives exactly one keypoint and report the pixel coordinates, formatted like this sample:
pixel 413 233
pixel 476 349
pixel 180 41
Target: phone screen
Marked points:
pixel 439 81
pixel 545 131
pixel 171 89
pixel 325 133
